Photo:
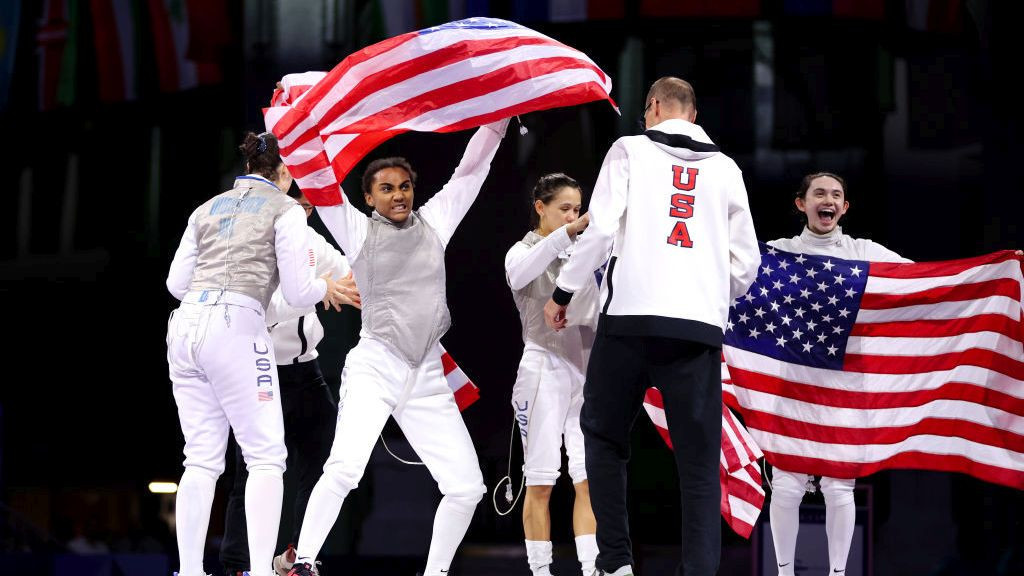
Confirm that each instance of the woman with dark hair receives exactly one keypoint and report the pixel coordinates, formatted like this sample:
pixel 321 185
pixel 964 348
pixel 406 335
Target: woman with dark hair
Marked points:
pixel 822 201
pixel 397 255
pixel 237 248
pixel 548 392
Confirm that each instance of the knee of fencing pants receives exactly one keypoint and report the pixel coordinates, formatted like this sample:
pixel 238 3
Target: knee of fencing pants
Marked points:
pixel 837 491
pixel 788 488
pixel 466 493
pixel 266 469
pixel 340 479
pixel 200 470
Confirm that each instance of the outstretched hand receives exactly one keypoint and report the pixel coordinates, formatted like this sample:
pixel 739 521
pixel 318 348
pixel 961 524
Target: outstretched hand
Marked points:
pixel 554 315
pixel 341 292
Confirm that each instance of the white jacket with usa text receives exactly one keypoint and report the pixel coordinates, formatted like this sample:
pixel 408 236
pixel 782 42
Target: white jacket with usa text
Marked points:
pixel 673 208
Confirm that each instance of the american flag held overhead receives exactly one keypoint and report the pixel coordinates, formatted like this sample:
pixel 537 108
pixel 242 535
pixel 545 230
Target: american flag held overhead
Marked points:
pixel 447 78
pixel 842 368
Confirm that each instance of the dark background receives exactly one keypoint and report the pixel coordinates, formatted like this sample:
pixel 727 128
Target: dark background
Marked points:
pixel 921 115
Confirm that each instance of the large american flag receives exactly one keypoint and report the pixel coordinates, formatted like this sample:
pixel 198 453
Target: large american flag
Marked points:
pixel 842 368
pixel 447 78
pixel 739 472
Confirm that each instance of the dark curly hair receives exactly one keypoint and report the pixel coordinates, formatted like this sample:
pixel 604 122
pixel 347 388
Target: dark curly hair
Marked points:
pixel 382 163
pixel 261 153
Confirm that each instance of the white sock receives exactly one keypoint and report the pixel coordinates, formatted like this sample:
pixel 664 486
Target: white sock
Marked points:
pixel 538 554
pixel 263 492
pixel 785 523
pixel 840 519
pixel 586 552
pixel 321 513
pixel 192 518
pixel 451 521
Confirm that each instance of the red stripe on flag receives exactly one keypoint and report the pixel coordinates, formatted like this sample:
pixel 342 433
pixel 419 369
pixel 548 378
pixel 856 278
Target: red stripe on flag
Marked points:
pixel 467 395
pixel 913 460
pixel 917 364
pixel 323 196
pixel 943 268
pixel 456 52
pixel 1007 287
pixel 938 328
pixel 821 395
pixel 460 91
pixel 942 427
pixel 448 363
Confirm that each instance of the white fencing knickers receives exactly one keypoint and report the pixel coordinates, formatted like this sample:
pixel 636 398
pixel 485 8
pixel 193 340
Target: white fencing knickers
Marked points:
pixel 547 398
pixel 375 384
pixel 224 374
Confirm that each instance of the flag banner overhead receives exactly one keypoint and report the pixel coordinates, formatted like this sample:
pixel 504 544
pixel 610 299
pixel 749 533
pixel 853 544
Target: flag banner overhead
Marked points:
pixel 452 77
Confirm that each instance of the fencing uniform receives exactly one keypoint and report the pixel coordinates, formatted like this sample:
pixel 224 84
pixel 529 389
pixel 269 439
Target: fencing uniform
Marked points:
pixel 675 209
pixel 548 393
pixel 788 488
pixel 395 369
pixel 236 249
pixel 309 408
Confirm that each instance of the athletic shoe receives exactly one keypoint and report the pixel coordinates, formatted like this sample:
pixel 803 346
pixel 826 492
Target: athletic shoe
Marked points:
pixel 283 562
pixel 303 569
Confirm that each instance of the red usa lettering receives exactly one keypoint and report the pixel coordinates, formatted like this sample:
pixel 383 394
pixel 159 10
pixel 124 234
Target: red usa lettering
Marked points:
pixel 682 205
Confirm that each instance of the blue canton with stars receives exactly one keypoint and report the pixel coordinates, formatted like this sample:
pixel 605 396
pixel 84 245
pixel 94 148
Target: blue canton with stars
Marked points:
pixel 800 309
pixel 474 23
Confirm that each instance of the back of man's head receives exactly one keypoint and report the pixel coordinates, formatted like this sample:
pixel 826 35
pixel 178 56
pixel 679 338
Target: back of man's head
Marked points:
pixel 675 96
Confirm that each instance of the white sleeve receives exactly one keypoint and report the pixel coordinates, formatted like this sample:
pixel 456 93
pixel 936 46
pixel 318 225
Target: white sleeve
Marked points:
pixel 328 259
pixel 607 206
pixel 447 208
pixel 346 224
pixel 179 277
pixel 744 254
pixel 878 253
pixel 525 263
pixel 299 284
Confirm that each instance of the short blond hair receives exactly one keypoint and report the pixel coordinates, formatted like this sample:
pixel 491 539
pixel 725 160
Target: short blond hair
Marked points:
pixel 673 91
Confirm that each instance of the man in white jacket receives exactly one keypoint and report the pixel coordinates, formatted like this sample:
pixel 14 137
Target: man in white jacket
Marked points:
pixel 674 210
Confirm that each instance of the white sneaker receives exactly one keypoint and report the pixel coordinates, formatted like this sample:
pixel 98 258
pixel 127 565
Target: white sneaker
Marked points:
pixel 283 562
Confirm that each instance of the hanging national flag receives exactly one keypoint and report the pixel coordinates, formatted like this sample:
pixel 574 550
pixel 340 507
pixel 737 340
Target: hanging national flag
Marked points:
pixel 942 16
pixel 568 10
pixel 56 40
pixel 701 8
pixel 842 368
pixel 168 20
pixel 10 18
pixel 443 79
pixel 465 391
pixel 115 33
pixel 739 472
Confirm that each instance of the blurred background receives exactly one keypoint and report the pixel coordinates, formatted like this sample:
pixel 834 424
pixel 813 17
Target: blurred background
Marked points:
pixel 121 116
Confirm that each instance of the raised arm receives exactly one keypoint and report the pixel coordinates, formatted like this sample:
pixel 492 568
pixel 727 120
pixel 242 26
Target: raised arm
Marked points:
pixel 448 207
pixel 299 284
pixel 179 277
pixel 525 263
pixel 607 206
pixel 346 224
